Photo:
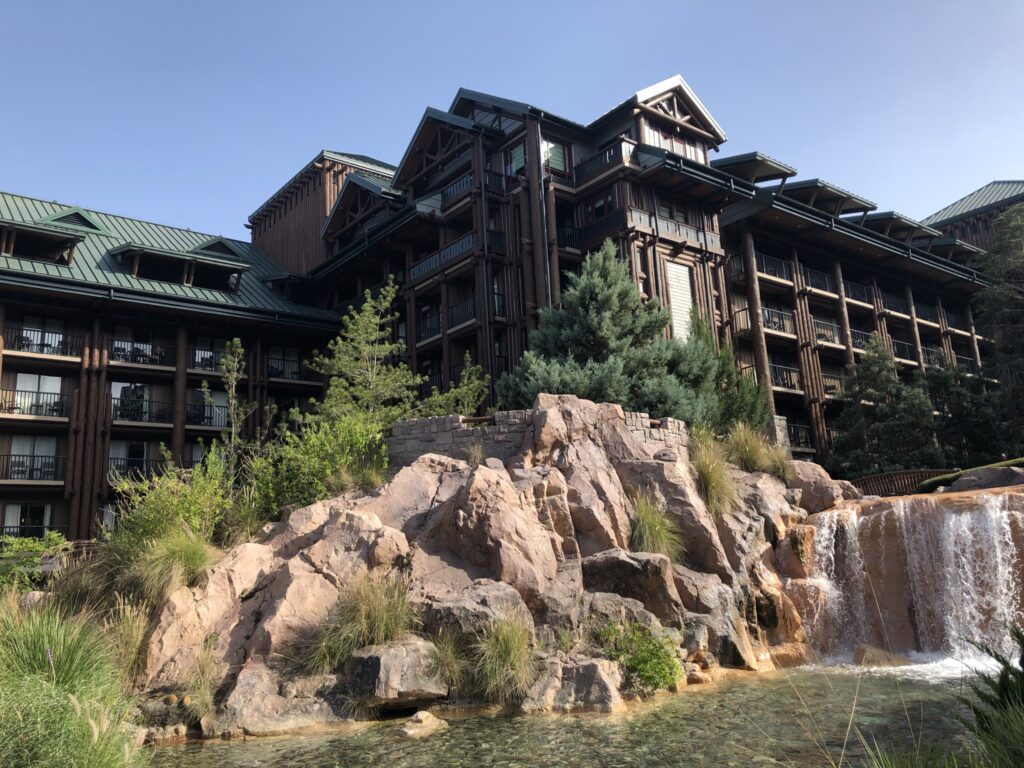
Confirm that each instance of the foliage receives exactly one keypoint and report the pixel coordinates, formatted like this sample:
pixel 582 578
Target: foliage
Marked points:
pixel 475 453
pixel 969 414
pixel 607 344
pixel 742 398
pixel 714 483
pixel 998 702
pixel 449 661
pixel 1001 314
pixel 886 425
pixel 931 484
pixel 649 663
pixel 463 397
pixel 372 611
pixel 176 558
pixel 928 757
pixel 751 451
pixel 504 666
pixel 125 626
pixel 22 558
pixel 653 529
pixel 198 687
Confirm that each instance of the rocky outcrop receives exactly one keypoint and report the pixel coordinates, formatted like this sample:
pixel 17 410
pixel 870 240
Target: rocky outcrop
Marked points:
pixel 987 477
pixel 818 491
pixel 538 533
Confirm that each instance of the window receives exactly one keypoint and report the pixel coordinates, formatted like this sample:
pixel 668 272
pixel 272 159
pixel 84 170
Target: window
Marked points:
pixel 282 362
pixel 37 395
pixel 33 457
pixel 555 156
pixel 40 334
pixel 516 159
pixel 599 207
pixel 26 519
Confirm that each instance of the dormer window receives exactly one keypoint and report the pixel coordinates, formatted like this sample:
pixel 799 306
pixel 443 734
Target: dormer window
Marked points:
pixel 198 268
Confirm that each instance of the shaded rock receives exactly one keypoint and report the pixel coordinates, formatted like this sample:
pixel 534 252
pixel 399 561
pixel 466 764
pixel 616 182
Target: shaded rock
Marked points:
pixel 700 592
pixel 576 685
pixel 423 723
pixel 818 491
pixel 352 542
pixel 849 490
pixel 604 608
pixel 795 553
pixel 396 675
pixel 640 575
pixel 765 495
pixel 987 477
pixel 297 601
pixel 466 612
pixel 870 656
pixel 562 605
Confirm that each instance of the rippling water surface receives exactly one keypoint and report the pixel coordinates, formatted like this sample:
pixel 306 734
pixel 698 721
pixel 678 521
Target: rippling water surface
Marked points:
pixel 788 718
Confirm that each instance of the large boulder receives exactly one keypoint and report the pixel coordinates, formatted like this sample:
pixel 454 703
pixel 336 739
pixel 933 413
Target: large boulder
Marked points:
pixel 468 611
pixel 818 491
pixel 394 676
pixel 988 477
pixel 640 575
pixel 576 685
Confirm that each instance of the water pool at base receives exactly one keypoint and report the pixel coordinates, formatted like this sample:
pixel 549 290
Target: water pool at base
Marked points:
pixel 786 718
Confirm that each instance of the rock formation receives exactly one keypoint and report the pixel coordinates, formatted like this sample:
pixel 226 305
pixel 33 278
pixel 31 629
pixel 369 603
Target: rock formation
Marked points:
pixel 541 531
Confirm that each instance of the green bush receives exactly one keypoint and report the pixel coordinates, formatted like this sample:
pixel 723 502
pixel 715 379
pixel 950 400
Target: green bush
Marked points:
pixel 125 626
pixel 649 663
pixel 751 451
pixel 22 559
pixel 449 661
pixel 714 483
pixel 932 483
pixel 197 690
pixel 504 660
pixel 998 707
pixel 371 611
pixel 177 558
pixel 653 529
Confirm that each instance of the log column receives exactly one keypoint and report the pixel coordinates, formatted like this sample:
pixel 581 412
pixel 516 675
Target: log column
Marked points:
pixel 534 187
pixel 556 280
pixel 445 345
pixel 180 394
pixel 810 365
pixel 756 315
pixel 881 327
pixel 526 252
pixel 975 347
pixel 912 310
pixel 947 341
pixel 3 329
pixel 844 314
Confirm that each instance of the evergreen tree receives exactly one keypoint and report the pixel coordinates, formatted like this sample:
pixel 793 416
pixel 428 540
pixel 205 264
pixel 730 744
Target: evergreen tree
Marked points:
pixel 969 422
pixel 607 344
pixel 742 397
pixel 1001 315
pixel 886 425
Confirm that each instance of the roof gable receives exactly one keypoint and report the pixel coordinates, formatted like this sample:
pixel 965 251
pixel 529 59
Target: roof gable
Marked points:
pixel 73 218
pixel 992 195
pixel 218 246
pixel 674 99
pixel 437 135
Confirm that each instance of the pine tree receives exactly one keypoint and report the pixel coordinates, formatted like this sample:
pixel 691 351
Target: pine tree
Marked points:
pixel 742 397
pixel 969 424
pixel 607 344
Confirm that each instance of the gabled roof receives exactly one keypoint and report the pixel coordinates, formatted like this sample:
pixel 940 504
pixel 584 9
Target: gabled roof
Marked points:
pixel 995 194
pixel 75 219
pixel 432 119
pixel 358 181
pixel 95 269
pixel 219 246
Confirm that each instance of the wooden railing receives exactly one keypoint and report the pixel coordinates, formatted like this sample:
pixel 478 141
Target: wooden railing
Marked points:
pixel 900 483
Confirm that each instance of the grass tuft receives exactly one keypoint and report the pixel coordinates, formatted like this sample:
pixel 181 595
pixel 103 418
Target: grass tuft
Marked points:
pixel 714 483
pixel 449 662
pixel 653 529
pixel 125 626
pixel 505 668
pixel 201 682
pixel 751 451
pixel 475 453
pixel 372 610
pixel 178 558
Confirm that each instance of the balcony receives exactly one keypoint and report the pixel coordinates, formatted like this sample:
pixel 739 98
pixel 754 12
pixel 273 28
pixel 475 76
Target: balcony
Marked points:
pixel 30 531
pixel 28 403
pixel 933 356
pixel 568 235
pixel 928 312
pixel 833 382
pixel 141 410
pixel 42 342
pixel 860 338
pixel 827 332
pixel 778 320
pixel 133 468
pixel 617 154
pixel 461 312
pixel 895 303
pixel 457 190
pixel 818 280
pixel 606 225
pixel 207 415
pixel 31 468
pixel 285 368
pixel 784 377
pixel 440 258
pixel 857 291
pixel 833 435
pixel 141 353
pixel 428 326
pixel 431 381
pixel 903 350
pixel 205 359
pixel 965 362
pixel 956 320
pixel 800 437
pixel 781 269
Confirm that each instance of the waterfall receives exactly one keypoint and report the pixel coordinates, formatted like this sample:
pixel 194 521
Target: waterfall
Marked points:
pixel 919 573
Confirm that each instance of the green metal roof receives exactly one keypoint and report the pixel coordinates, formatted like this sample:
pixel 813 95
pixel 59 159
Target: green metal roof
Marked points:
pixel 993 195
pixel 95 264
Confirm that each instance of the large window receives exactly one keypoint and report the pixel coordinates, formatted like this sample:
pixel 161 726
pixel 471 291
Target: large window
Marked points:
pixel 37 395
pixel 26 519
pixel 600 206
pixel 555 156
pixel 33 457
pixel 515 159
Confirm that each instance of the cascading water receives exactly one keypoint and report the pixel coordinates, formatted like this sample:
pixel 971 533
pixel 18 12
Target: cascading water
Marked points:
pixel 922 573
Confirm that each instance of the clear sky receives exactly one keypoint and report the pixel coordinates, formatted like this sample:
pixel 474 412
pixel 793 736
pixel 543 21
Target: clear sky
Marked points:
pixel 193 113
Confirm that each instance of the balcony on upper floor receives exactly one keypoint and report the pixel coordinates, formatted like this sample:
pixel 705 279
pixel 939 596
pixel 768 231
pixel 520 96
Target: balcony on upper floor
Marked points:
pixel 141 353
pixel 673 230
pixel 773 320
pixel 903 350
pixel 461 312
pixel 827 332
pixel 855 291
pixel 860 338
pixel 428 326
pixel 772 266
pixel 800 437
pixel 443 256
pixel 833 382
pixel 933 356
pixel 818 280
pixel 40 342
pixel 141 410
pixel 26 468
pixel 895 303
pixel 784 377
pixel 134 468
pixel 207 415
pixel 927 312
pixel 614 155
pixel 31 403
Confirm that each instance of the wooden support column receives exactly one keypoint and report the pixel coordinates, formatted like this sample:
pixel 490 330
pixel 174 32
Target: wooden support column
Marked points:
pixel 73 483
pixel 101 476
pixel 90 425
pixel 881 327
pixel 446 360
pixel 810 364
pixel 975 347
pixel 844 315
pixel 3 330
pixel 912 308
pixel 534 188
pixel 180 394
pixel 526 241
pixel 947 342
pixel 722 289
pixel 756 316
pixel 556 281
pixel 410 330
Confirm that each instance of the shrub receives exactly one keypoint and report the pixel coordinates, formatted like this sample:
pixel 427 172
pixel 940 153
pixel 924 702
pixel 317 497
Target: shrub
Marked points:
pixel 714 483
pixel 751 451
pixel 371 611
pixel 198 688
pixel 998 707
pixel 22 558
pixel 504 660
pixel 449 662
pixel 178 558
pixel 649 663
pixel 125 626
pixel 474 453
pixel 653 529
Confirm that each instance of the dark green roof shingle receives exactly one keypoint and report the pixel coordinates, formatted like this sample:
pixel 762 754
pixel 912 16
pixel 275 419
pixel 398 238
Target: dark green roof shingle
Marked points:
pixel 993 194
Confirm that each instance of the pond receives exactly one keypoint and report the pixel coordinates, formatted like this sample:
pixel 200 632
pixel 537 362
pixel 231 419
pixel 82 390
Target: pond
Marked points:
pixel 789 718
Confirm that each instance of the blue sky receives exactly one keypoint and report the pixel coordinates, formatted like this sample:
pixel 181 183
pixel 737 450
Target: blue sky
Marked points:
pixel 192 113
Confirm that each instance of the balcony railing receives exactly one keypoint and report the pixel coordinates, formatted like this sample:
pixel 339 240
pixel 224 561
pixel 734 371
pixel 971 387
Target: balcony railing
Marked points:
pixel 568 235
pixel 833 435
pixel 461 311
pixel 455 373
pixel 31 468
pixel 857 291
pixel 428 326
pixel 667 228
pixel 827 332
pixel 124 466
pixel 143 353
pixel 903 350
pixel 778 320
pixel 500 308
pixel 135 409
pixel 784 376
pixel 501 365
pixel 30 531
pixel 819 280
pixel 28 403
pixel 895 303
pixel 207 415
pixel 956 319
pixel 860 338
pixel 205 359
pixel 444 256
pixel 834 383
pixel 800 436
pixel 456 190
pixel 965 362
pixel 618 153
pixel 774 267
pixel 606 225
pixel 431 382
pixel 933 356
pixel 285 368
pixel 42 342
pixel 928 312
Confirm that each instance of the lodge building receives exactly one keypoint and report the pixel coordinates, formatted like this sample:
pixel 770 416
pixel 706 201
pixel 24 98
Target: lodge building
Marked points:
pixel 111 325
